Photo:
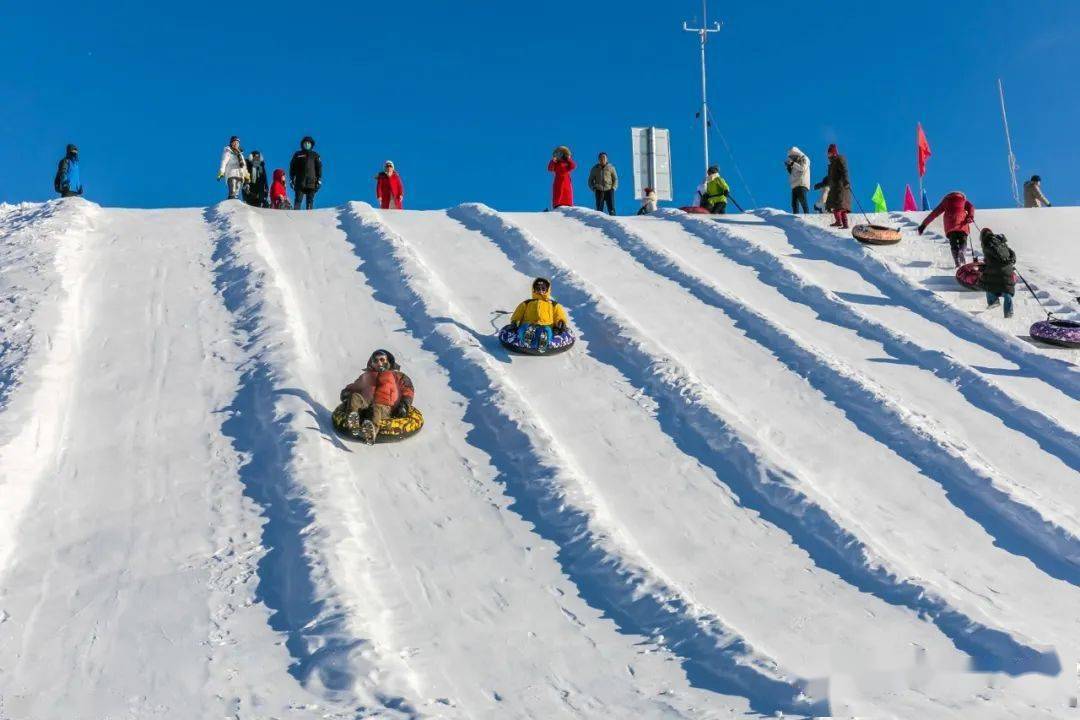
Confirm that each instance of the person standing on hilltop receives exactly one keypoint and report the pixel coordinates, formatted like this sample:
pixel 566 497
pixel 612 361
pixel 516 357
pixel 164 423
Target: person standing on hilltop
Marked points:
pixel 562 187
pixel 798 170
pixel 715 195
pixel 1033 194
pixel 233 168
pixel 603 181
pixel 839 183
pixel 257 188
pixel 959 214
pixel 389 189
pixel 68 180
pixel 305 173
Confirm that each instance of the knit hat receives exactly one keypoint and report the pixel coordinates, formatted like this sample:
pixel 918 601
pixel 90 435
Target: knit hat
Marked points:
pixel 833 150
pixel 1036 178
pixel 541 281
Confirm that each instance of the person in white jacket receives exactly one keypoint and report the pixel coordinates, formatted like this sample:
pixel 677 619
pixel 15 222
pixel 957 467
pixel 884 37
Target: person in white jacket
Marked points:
pixel 798 170
pixel 233 167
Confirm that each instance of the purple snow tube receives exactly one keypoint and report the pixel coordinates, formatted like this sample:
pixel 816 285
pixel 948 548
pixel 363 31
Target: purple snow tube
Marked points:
pixel 560 342
pixel 1063 333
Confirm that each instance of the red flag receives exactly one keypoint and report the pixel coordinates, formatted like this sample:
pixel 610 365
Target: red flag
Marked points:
pixel 909 199
pixel 923 148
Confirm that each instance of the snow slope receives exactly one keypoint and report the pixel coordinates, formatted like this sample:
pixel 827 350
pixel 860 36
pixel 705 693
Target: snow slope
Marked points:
pixel 780 473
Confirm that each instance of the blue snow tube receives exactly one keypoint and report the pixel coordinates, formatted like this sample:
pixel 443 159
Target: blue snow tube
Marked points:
pixel 542 341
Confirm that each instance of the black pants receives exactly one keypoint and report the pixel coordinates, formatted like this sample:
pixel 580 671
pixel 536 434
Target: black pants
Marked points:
pixel 957 242
pixel 605 197
pixel 307 195
pixel 719 207
pixel 69 193
pixel 798 198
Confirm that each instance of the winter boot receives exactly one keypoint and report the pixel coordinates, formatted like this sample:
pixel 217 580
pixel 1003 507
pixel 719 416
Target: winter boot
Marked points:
pixel 836 219
pixel 352 423
pixel 1008 313
pixel 368 432
pixel 843 221
pixel 529 336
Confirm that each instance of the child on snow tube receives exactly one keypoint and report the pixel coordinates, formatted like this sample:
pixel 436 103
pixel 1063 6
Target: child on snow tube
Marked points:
pixel 380 393
pixel 536 322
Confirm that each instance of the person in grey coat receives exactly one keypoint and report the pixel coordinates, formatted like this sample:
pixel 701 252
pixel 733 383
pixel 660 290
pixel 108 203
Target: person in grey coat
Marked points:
pixel 603 181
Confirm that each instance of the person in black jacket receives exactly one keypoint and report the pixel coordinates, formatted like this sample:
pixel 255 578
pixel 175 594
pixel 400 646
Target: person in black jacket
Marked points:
pixel 305 173
pixel 257 189
pixel 999 266
pixel 68 181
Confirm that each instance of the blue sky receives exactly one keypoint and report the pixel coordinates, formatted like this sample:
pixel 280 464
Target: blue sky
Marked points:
pixel 468 98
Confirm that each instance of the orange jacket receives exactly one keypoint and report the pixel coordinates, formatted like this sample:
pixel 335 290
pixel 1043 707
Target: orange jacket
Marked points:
pixel 383 387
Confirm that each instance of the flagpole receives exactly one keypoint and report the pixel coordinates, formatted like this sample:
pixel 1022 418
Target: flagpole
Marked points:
pixel 1008 143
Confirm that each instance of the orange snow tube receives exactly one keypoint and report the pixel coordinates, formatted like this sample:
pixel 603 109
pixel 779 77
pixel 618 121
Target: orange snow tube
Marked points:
pixel 876 234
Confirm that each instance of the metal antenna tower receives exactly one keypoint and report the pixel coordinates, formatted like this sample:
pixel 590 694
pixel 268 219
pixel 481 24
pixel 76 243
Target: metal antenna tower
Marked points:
pixel 703 33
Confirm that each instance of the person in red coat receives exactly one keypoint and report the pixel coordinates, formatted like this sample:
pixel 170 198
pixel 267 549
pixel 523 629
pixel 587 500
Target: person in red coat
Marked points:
pixel 562 189
pixel 279 197
pixel 388 188
pixel 381 391
pixel 959 214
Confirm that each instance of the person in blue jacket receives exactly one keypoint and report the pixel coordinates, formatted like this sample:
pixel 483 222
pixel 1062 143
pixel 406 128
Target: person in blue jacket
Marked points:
pixel 68 182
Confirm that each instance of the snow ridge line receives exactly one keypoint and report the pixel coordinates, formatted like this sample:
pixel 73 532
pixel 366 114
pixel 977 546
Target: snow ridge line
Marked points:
pixel 43 419
pixel 723 440
pixel 972 483
pixel 880 272
pixel 330 657
pixel 555 497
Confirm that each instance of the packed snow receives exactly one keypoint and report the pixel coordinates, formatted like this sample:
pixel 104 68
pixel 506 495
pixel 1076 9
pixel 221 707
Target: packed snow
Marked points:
pixel 781 474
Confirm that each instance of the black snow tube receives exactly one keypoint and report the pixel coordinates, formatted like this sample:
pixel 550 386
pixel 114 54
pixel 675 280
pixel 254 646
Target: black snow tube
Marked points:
pixel 1063 333
pixel 392 429
pixel 560 342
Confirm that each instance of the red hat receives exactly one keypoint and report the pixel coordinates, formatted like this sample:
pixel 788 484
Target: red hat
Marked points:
pixel 833 150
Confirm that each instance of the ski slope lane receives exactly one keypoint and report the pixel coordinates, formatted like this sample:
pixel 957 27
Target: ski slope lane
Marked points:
pixel 782 321
pixel 126 590
pixel 759 413
pixel 441 602
pixel 1014 466
pixel 617 445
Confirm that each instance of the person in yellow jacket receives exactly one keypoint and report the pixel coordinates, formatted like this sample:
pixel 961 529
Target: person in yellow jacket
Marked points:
pixel 539 313
pixel 715 197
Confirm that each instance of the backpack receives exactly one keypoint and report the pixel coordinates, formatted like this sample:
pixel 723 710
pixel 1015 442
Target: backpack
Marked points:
pixel 997 251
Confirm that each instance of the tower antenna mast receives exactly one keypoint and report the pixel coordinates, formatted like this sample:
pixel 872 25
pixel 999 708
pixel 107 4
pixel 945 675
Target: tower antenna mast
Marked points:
pixel 703 33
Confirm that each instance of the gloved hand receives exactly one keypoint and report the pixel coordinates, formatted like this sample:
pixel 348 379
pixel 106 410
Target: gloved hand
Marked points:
pixel 819 186
pixel 220 175
pixel 345 395
pixel 512 327
pixel 922 229
pixel 559 327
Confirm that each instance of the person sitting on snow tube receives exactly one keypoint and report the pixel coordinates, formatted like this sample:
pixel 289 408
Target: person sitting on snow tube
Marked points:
pixel 382 391
pixel 537 320
pixel 999 264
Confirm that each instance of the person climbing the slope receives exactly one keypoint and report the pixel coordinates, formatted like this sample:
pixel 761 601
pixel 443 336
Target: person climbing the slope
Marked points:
pixel 839 183
pixel 256 188
pixel 715 196
pixel 959 214
pixel 305 173
pixel 535 320
pixel 999 265
pixel 68 181
pixel 798 170
pixel 279 196
pixel 382 391
pixel 233 168
pixel 1033 194
pixel 562 187
pixel 389 190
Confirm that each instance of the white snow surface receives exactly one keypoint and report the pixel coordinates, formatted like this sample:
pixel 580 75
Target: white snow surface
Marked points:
pixel 781 474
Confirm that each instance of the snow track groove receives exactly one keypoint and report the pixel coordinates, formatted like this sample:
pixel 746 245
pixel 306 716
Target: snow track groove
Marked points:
pixel 550 492
pixel 1016 521
pixel 707 429
pixel 331 655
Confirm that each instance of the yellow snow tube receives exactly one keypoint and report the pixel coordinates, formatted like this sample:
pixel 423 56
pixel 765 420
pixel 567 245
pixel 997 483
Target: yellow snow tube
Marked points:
pixel 391 429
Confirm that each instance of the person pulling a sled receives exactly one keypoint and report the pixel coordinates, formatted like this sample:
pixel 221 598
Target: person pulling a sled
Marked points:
pixel 715 197
pixel 999 266
pixel 537 319
pixel 382 391
pixel 959 214
pixel 838 182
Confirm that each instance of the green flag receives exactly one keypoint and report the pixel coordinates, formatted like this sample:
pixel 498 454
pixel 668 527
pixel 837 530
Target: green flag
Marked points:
pixel 879 200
